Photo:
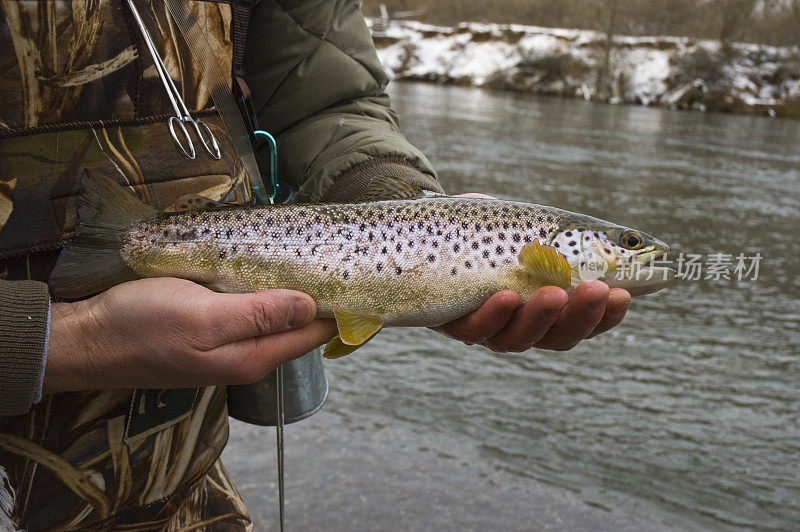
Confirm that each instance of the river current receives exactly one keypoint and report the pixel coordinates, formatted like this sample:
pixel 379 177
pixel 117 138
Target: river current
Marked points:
pixel 688 414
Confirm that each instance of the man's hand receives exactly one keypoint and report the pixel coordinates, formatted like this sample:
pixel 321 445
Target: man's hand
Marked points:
pixel 549 320
pixel 172 333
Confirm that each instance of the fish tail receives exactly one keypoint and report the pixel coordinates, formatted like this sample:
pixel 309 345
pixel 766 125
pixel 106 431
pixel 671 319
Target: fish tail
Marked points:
pixel 92 263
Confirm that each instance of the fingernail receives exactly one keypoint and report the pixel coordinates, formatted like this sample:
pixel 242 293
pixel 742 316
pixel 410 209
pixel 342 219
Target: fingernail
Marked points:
pixel 299 312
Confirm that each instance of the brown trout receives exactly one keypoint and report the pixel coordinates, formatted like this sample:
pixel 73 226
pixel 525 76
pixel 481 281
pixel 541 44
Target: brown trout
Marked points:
pixel 399 262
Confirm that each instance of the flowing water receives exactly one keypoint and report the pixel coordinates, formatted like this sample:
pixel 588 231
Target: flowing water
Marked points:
pixel 688 414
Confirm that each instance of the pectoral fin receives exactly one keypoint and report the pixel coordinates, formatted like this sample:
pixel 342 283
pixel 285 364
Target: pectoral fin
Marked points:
pixel 545 265
pixel 355 329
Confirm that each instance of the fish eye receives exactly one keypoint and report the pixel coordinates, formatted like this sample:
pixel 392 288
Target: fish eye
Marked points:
pixel 631 240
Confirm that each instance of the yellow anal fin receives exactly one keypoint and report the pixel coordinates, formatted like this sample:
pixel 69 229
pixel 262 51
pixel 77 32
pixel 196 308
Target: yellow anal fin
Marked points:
pixel 355 329
pixel 545 265
pixel 337 349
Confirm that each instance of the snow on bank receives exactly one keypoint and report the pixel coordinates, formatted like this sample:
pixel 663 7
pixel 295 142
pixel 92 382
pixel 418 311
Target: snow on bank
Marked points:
pixel 673 71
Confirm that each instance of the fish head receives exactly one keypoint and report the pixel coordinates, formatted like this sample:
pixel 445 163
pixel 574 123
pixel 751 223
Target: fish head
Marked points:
pixel 620 256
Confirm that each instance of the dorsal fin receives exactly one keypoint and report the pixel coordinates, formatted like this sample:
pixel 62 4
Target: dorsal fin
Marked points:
pixel 191 202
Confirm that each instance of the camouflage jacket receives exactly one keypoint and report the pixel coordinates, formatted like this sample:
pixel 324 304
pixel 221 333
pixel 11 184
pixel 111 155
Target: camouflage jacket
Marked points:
pixel 80 92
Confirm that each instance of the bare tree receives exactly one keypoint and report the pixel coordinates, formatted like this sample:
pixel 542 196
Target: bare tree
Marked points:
pixel 601 91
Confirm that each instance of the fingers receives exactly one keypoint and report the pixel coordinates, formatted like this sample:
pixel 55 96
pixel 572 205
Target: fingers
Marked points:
pixel 578 319
pixel 531 322
pixel 616 308
pixel 232 317
pixel 248 360
pixel 485 322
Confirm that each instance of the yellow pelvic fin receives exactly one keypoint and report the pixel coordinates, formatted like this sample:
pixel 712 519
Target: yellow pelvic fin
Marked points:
pixel 355 329
pixel 546 265
pixel 337 349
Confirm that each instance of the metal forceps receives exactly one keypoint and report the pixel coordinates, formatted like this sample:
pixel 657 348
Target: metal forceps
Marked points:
pixel 182 116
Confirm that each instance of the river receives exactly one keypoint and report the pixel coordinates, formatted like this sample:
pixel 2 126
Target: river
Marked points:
pixel 688 414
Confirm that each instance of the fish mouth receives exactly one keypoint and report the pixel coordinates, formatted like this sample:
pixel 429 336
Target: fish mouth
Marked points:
pixel 645 273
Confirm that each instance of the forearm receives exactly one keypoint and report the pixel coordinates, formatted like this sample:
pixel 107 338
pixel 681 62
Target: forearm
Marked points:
pixel 24 317
pixel 319 89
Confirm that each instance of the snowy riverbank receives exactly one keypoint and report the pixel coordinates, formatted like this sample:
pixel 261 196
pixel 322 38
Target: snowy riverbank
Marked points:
pixel 668 71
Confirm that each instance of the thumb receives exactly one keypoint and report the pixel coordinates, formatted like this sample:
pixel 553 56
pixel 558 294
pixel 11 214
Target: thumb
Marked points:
pixel 242 316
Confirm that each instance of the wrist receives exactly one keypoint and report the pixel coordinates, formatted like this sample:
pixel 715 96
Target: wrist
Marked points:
pixel 74 345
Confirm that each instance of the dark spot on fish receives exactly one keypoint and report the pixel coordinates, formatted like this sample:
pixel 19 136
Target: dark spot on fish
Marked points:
pixel 399 247
pixel 398 270
pixel 568 234
pixel 324 267
pixel 500 250
pixel 431 258
pixel 575 252
pixel 486 254
pixel 556 244
pixel 513 250
pixel 487 240
pixel 299 254
pixel 527 239
pixel 223 254
pixel 468 264
pixel 453 271
pixel 456 248
pixel 501 236
pixel 166 233
pixel 383 251
pixel 475 245
pixel 239 217
pixel 529 225
pixel 346 274
pixel 516 237
pixel 229 233
pixel 234 249
pixel 379 266
pixel 206 231
pixel 596 235
pixel 572 242
pixel 493 264
pixel 505 225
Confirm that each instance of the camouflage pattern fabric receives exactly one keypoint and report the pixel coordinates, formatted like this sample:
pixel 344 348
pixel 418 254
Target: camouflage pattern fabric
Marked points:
pixel 72 468
pixel 80 96
pixel 77 61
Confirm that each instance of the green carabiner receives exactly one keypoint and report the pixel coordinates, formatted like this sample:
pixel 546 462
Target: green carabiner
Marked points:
pixel 273 163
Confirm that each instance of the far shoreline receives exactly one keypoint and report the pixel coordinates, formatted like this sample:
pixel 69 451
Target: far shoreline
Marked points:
pixel 679 73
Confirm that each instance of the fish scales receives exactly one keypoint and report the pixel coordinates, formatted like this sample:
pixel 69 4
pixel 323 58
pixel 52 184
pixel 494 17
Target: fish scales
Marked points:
pixel 419 262
pixel 413 262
